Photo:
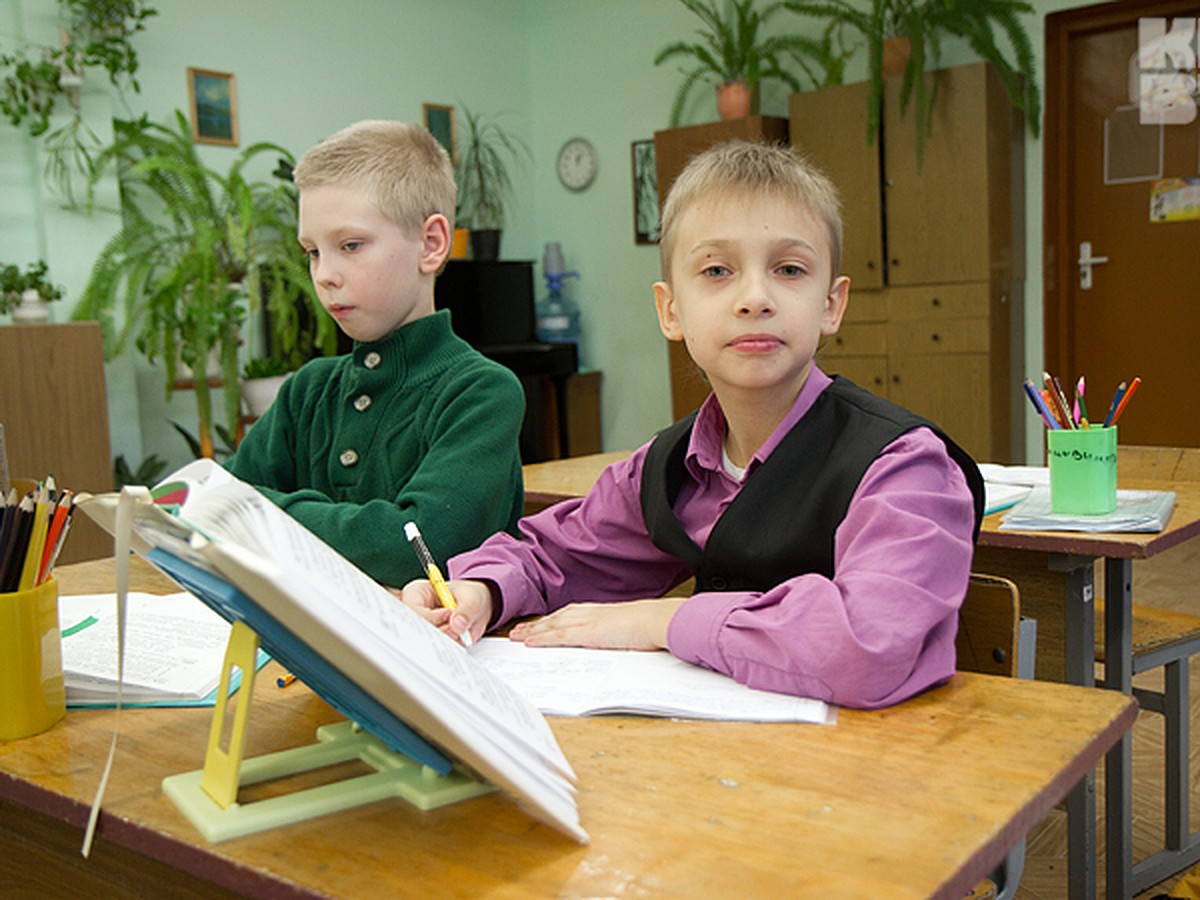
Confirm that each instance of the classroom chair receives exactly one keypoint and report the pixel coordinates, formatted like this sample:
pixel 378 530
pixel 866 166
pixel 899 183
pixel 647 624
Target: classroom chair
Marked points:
pixel 994 639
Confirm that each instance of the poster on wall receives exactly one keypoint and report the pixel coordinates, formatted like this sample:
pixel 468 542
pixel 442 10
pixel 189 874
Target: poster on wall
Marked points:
pixel 1175 200
pixel 645 193
pixel 441 123
pixel 212 104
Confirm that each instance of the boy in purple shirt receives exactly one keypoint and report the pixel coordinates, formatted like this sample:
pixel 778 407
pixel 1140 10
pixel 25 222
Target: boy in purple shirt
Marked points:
pixel 830 532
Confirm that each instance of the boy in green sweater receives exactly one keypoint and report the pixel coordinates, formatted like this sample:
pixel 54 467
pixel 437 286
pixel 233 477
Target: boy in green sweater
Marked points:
pixel 413 424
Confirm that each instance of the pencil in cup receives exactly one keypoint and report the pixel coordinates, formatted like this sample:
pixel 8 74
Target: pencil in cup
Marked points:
pixel 445 597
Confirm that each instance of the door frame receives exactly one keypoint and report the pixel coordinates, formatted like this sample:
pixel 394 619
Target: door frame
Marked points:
pixel 1058 254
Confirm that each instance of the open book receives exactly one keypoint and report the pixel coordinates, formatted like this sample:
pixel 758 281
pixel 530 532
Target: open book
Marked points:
pixel 366 653
pixel 580 681
pixel 174 650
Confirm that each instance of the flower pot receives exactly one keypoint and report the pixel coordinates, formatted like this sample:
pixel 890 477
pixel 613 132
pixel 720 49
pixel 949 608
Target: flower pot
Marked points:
pixel 733 101
pixel 259 393
pixel 485 244
pixel 458 247
pixel 32 310
pixel 896 53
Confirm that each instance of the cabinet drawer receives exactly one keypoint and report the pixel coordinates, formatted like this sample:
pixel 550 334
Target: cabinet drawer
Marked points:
pixel 939 301
pixel 866 306
pixel 869 372
pixel 865 339
pixel 944 336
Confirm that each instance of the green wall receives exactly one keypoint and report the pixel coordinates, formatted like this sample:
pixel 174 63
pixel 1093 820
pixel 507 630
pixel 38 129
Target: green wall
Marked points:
pixel 557 68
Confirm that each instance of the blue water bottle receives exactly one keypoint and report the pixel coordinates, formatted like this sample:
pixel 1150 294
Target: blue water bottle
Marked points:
pixel 557 314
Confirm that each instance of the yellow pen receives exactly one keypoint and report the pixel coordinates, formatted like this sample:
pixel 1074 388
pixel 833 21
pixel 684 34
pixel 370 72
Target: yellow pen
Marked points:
pixel 435 574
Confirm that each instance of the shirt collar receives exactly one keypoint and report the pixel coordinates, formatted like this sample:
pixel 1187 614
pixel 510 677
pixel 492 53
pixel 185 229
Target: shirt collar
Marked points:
pixel 704 446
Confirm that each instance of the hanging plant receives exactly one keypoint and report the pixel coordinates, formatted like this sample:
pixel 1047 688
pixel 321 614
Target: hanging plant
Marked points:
pixel 96 34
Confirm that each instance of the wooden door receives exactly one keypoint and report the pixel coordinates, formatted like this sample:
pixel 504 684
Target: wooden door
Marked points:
pixel 1141 315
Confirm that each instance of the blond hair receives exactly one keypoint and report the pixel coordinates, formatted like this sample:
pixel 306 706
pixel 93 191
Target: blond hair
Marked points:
pixel 752 168
pixel 402 168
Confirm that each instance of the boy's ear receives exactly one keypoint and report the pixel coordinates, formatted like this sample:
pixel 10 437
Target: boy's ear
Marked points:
pixel 435 243
pixel 668 318
pixel 835 305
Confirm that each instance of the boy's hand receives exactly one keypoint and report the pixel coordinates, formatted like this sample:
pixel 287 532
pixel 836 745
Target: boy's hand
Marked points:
pixel 472 614
pixel 637 625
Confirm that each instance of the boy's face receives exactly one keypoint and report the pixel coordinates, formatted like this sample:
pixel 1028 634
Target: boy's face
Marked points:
pixel 751 293
pixel 370 275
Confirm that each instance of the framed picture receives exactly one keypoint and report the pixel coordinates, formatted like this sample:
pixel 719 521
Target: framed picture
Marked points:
pixel 441 124
pixel 212 102
pixel 645 194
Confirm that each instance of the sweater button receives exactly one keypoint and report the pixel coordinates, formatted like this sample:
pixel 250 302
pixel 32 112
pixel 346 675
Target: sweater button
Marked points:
pixel 362 402
pixel 372 360
pixel 348 458
pixel 718 584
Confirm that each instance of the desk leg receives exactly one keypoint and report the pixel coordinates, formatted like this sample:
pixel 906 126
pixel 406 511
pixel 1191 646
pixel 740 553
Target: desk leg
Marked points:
pixel 1118 764
pixel 1079 654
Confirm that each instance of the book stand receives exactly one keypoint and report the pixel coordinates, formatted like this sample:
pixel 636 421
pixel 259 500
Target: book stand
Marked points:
pixel 208 797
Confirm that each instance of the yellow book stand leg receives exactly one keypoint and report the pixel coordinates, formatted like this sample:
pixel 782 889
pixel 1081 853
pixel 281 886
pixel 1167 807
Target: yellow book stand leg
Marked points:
pixel 208 797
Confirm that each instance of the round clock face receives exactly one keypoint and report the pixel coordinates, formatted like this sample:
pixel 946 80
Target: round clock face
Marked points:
pixel 577 163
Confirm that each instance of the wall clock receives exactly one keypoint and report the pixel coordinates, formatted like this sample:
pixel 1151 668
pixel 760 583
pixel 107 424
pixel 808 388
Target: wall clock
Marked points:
pixel 577 164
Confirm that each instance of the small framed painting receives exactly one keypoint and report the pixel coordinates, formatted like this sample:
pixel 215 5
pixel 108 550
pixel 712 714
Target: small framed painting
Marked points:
pixel 212 102
pixel 645 193
pixel 441 124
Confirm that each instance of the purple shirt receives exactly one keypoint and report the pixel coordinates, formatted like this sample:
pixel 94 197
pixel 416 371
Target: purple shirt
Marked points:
pixel 881 630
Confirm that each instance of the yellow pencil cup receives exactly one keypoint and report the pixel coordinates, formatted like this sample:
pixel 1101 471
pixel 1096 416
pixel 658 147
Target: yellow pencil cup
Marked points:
pixel 32 696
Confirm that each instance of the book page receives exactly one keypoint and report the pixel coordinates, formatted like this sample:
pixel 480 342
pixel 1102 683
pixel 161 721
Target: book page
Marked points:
pixel 580 681
pixel 174 647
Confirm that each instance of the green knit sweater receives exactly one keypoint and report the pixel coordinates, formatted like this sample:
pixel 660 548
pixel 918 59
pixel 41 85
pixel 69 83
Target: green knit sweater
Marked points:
pixel 418 426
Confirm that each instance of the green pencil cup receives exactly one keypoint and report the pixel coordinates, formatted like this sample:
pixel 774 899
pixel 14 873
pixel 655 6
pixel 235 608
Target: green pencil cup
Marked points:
pixel 1083 470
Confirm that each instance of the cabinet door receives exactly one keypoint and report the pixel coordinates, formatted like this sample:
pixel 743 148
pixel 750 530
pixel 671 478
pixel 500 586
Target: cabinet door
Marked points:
pixel 830 127
pixel 952 391
pixel 940 217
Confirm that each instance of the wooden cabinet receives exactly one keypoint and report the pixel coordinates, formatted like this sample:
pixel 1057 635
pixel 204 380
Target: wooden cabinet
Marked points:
pixel 54 410
pixel 672 150
pixel 934 253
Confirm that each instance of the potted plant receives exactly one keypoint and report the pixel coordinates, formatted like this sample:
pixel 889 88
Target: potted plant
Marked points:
pixel 197 250
pixel 33 79
pixel 733 53
pixel 25 294
pixel 923 25
pixel 485 151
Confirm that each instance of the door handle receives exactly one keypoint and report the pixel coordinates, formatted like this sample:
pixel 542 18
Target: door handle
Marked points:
pixel 1086 261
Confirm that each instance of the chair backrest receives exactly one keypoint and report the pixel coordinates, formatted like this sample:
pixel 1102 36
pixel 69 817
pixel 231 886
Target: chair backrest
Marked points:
pixel 989 626
pixel 1158 463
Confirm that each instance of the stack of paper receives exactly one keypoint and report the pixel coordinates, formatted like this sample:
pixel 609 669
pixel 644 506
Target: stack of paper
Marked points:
pixel 577 681
pixel 1004 486
pixel 1137 511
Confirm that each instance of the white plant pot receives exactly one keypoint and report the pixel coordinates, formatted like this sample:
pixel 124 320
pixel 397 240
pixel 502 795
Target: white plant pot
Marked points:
pixel 32 310
pixel 259 393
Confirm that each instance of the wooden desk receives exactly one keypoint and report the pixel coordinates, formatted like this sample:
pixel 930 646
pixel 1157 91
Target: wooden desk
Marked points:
pixel 1054 572
pixel 920 800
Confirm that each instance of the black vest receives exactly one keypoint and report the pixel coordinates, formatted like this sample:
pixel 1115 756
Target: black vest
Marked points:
pixel 782 522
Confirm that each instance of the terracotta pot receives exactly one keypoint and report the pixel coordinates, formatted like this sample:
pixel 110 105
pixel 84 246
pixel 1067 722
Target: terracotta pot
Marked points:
pixel 733 101
pixel 896 53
